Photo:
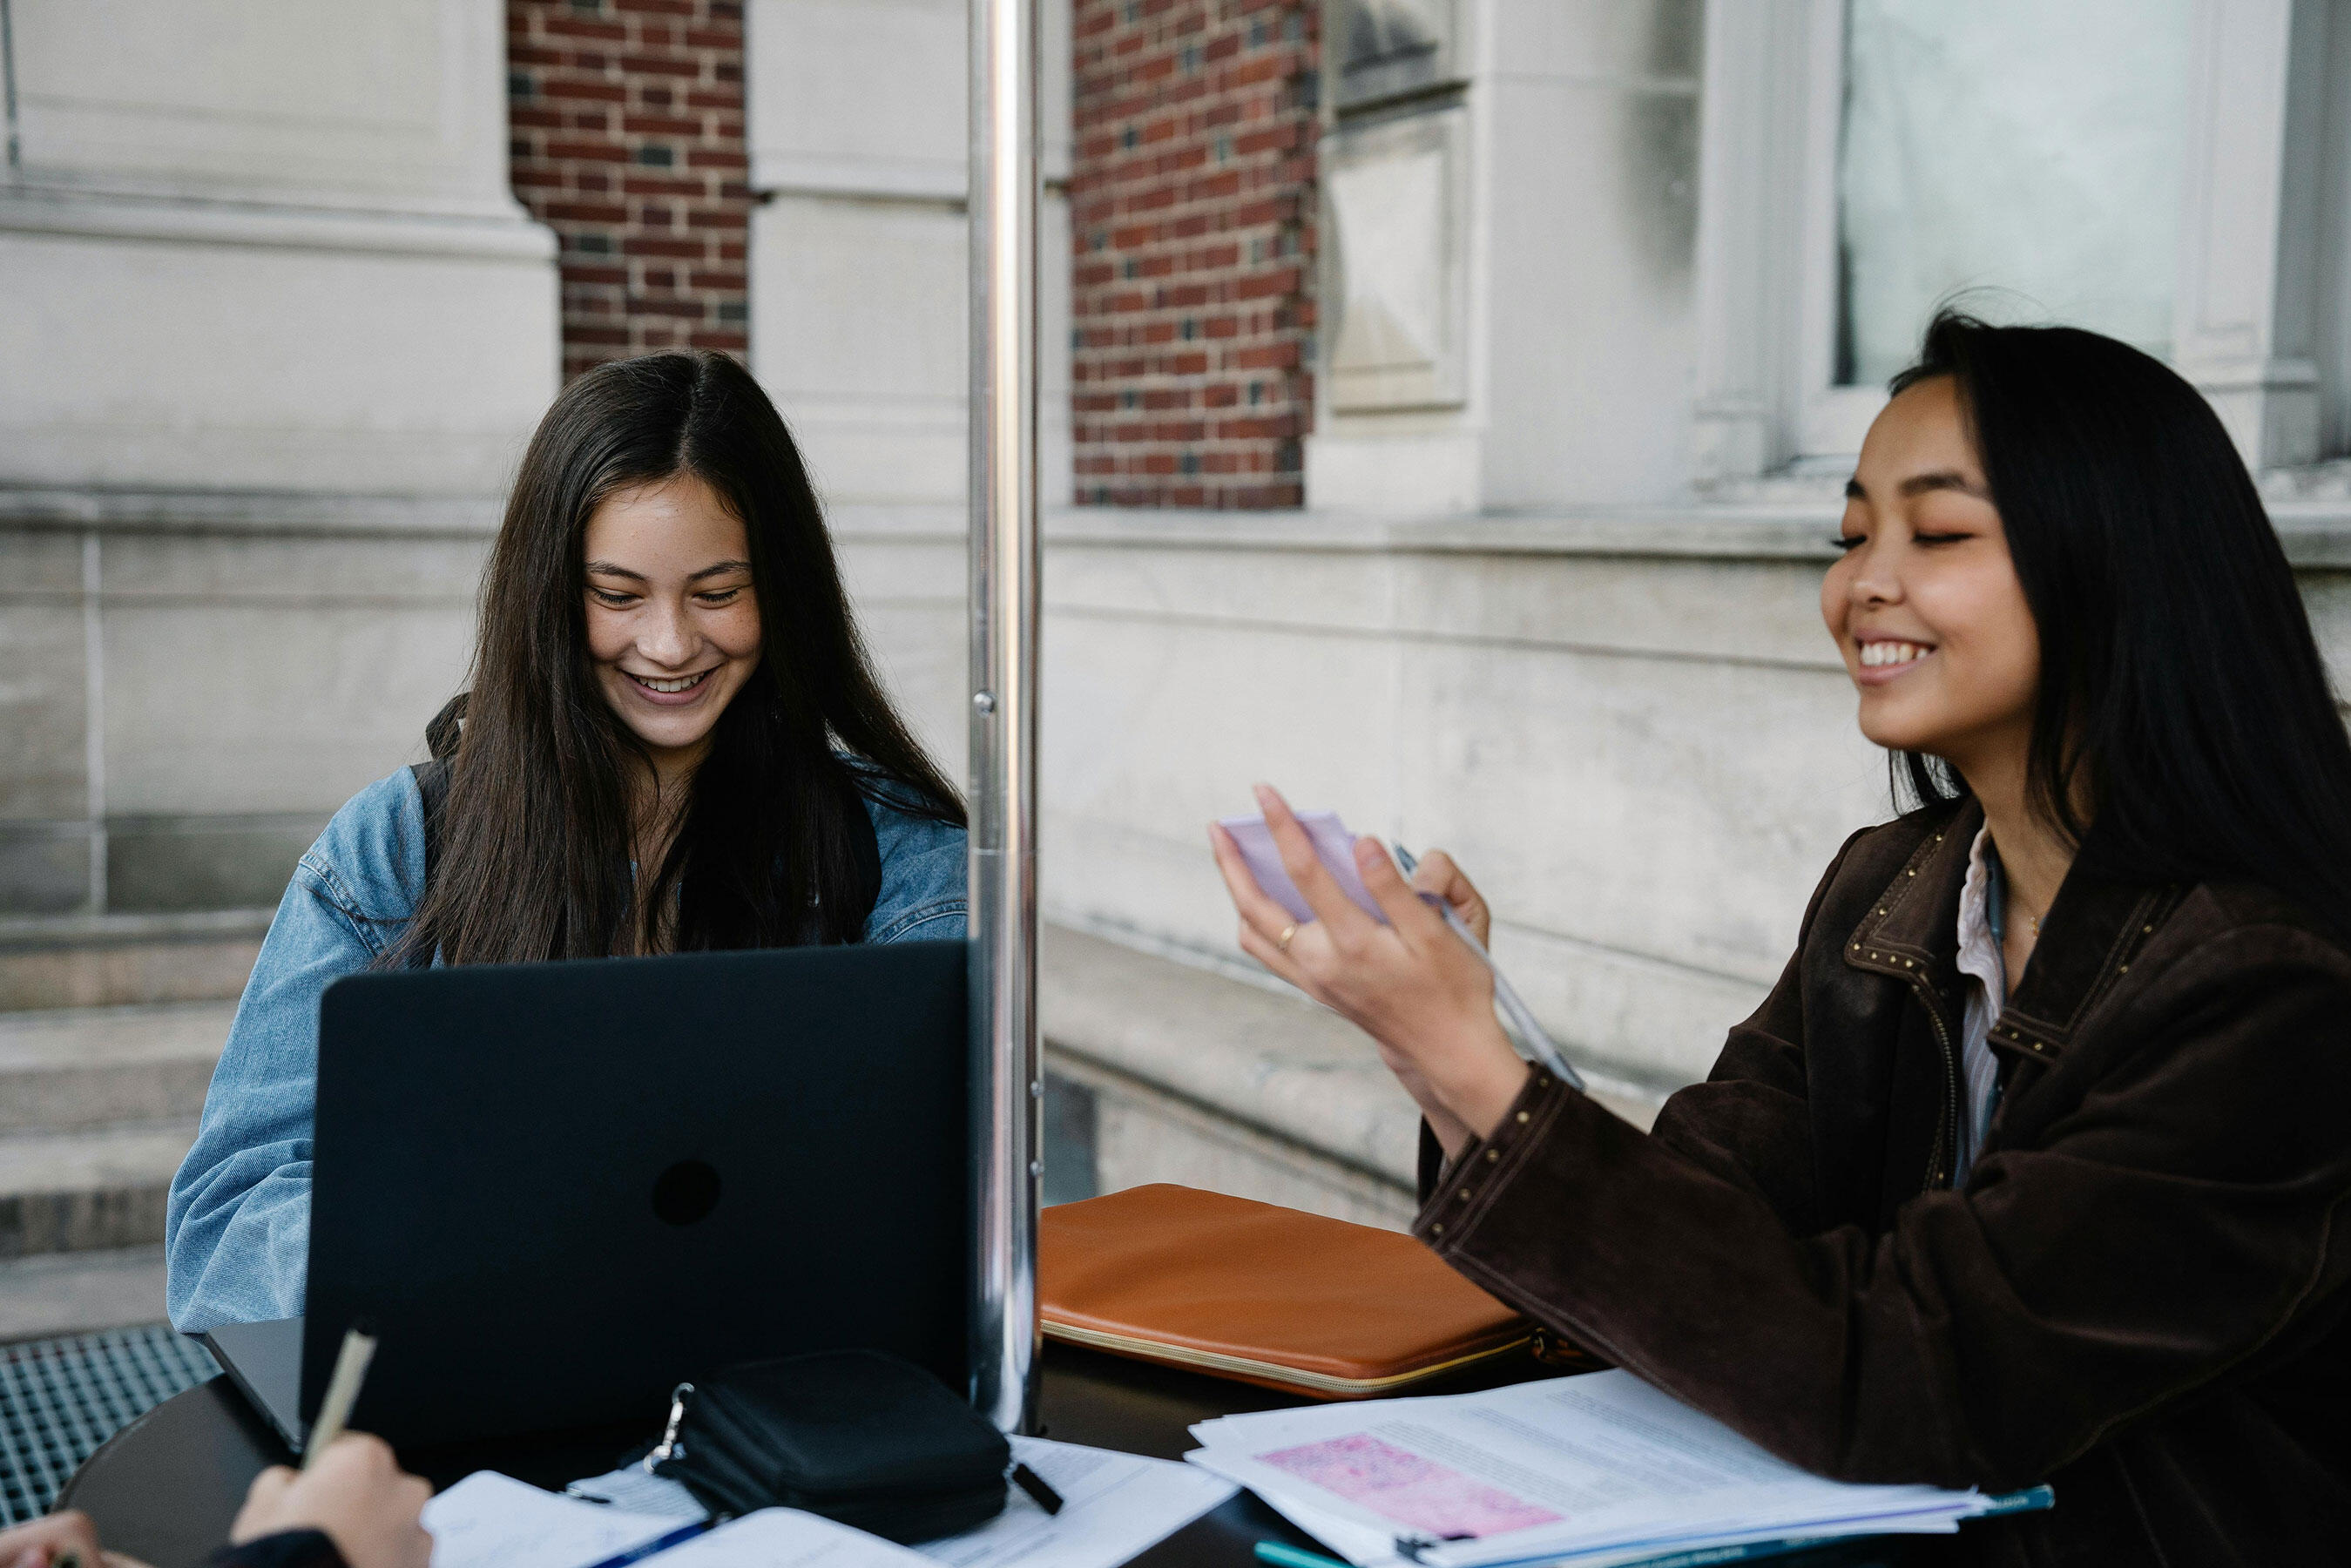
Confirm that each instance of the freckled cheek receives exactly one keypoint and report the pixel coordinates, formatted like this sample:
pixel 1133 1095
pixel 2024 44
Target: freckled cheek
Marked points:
pixel 737 634
pixel 608 635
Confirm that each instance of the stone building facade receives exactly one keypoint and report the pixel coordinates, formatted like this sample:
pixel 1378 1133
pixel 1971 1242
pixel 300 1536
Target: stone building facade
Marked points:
pixel 276 326
pixel 1561 320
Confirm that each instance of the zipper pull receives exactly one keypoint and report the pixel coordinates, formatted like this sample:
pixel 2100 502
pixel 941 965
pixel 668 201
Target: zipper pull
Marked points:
pixel 670 1447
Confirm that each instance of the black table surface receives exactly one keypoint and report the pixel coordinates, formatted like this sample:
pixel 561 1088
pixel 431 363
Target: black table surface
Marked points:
pixel 165 1487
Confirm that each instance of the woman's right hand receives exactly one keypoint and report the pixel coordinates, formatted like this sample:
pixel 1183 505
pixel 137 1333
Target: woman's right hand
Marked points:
pixel 1436 874
pixel 357 1494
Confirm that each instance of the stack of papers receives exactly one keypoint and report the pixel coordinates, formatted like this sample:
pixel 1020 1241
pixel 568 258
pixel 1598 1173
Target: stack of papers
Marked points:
pixel 1593 1471
pixel 489 1518
pixel 1113 1505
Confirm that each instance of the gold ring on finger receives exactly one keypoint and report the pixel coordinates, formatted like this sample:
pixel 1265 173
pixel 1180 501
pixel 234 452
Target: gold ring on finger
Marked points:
pixel 1282 941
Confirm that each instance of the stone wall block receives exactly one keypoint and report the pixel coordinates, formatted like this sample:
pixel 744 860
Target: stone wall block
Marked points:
pixel 860 342
pixel 43 706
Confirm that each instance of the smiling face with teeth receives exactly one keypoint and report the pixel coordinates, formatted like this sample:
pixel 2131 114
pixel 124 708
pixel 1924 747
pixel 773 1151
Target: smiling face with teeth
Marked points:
pixel 672 624
pixel 1924 605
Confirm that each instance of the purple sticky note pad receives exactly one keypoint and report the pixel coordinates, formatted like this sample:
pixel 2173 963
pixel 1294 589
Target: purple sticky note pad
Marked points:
pixel 1334 846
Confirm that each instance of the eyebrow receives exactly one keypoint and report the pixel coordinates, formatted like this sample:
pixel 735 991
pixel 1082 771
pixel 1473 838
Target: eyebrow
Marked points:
pixel 716 569
pixel 1920 484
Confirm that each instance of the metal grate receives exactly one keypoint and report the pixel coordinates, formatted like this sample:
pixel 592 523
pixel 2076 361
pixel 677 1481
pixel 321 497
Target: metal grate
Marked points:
pixel 60 1399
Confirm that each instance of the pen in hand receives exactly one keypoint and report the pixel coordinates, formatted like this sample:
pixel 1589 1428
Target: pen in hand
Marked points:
pixel 1518 1018
pixel 342 1392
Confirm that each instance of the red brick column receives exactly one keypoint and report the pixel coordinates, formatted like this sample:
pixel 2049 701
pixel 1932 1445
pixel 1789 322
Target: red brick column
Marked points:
pixel 627 124
pixel 1192 215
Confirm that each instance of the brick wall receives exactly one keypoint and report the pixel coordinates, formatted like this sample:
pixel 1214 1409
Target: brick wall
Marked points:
pixel 1192 216
pixel 627 121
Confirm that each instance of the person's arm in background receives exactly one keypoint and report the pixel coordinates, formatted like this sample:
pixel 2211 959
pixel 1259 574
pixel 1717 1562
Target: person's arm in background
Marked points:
pixel 236 1229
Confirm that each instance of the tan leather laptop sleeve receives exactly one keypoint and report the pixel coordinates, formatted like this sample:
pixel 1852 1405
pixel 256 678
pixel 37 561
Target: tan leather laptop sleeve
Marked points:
pixel 1261 1293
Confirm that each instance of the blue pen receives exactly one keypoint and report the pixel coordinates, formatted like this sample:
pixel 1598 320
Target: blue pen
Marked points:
pixel 1517 1016
pixel 682 1533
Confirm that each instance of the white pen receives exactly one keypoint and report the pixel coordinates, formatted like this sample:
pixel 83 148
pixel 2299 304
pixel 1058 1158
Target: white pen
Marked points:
pixel 342 1392
pixel 1518 1018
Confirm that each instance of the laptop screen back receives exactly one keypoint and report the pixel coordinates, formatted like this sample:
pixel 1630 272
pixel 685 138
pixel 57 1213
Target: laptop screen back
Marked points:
pixel 555 1190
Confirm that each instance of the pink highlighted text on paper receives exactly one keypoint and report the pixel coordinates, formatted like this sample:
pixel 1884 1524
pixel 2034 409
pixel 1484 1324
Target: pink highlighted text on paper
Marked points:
pixel 1397 1484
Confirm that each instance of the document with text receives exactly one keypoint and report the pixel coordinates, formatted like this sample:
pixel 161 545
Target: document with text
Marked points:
pixel 1113 1505
pixel 490 1521
pixel 1594 1470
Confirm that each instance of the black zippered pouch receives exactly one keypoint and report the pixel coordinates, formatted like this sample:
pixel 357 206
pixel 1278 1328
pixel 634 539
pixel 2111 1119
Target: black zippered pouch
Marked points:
pixel 860 1436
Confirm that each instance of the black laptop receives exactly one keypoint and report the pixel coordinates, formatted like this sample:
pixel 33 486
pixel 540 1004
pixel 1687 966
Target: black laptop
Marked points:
pixel 553 1191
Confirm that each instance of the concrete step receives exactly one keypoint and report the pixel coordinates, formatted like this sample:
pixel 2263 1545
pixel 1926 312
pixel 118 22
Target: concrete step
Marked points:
pixel 87 1190
pixel 80 1293
pixel 67 1068
pixel 1172 1071
pixel 113 960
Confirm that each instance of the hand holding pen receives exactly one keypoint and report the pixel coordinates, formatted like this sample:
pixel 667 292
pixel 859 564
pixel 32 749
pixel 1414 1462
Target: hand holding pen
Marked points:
pixel 350 1487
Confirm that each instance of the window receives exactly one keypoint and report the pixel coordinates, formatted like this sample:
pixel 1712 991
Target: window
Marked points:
pixel 2174 173
pixel 2030 151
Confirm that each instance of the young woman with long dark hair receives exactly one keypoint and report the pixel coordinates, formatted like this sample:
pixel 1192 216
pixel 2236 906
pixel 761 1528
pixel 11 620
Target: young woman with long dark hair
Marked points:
pixel 674 741
pixel 2033 1167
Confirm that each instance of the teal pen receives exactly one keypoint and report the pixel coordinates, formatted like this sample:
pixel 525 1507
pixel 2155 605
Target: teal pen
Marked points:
pixel 1282 1556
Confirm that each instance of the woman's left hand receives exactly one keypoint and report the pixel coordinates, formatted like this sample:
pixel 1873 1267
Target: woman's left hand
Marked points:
pixel 1411 984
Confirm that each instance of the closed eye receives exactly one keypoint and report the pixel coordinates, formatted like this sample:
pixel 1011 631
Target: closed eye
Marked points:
pixel 607 597
pixel 1848 541
pixel 720 596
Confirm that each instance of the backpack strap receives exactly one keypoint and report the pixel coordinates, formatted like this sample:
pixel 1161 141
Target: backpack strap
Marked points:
pixel 441 736
pixel 432 783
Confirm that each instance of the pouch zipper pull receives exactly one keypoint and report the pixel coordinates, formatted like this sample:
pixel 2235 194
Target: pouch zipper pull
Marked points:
pixel 670 1447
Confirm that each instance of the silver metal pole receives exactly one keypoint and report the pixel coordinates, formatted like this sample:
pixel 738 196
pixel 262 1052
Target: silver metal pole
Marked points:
pixel 1008 1077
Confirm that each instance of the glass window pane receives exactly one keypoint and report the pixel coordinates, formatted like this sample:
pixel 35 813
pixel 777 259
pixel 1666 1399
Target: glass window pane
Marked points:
pixel 2013 146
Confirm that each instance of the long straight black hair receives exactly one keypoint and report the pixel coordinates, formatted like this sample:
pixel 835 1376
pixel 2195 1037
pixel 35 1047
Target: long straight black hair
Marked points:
pixel 2181 693
pixel 535 836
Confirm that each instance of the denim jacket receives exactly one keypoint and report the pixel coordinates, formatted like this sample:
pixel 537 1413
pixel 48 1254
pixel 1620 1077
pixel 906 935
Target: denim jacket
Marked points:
pixel 237 1230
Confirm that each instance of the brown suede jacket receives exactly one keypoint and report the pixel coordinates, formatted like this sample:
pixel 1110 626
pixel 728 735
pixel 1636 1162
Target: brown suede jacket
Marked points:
pixel 2139 1295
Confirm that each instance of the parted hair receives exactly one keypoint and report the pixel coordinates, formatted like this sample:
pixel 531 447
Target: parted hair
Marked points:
pixel 534 838
pixel 2182 698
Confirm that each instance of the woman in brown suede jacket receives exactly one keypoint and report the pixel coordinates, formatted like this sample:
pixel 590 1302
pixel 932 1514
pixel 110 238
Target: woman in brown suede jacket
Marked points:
pixel 2033 1168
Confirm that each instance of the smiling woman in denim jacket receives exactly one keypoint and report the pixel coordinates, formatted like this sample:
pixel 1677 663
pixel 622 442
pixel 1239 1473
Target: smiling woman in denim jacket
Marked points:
pixel 673 742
